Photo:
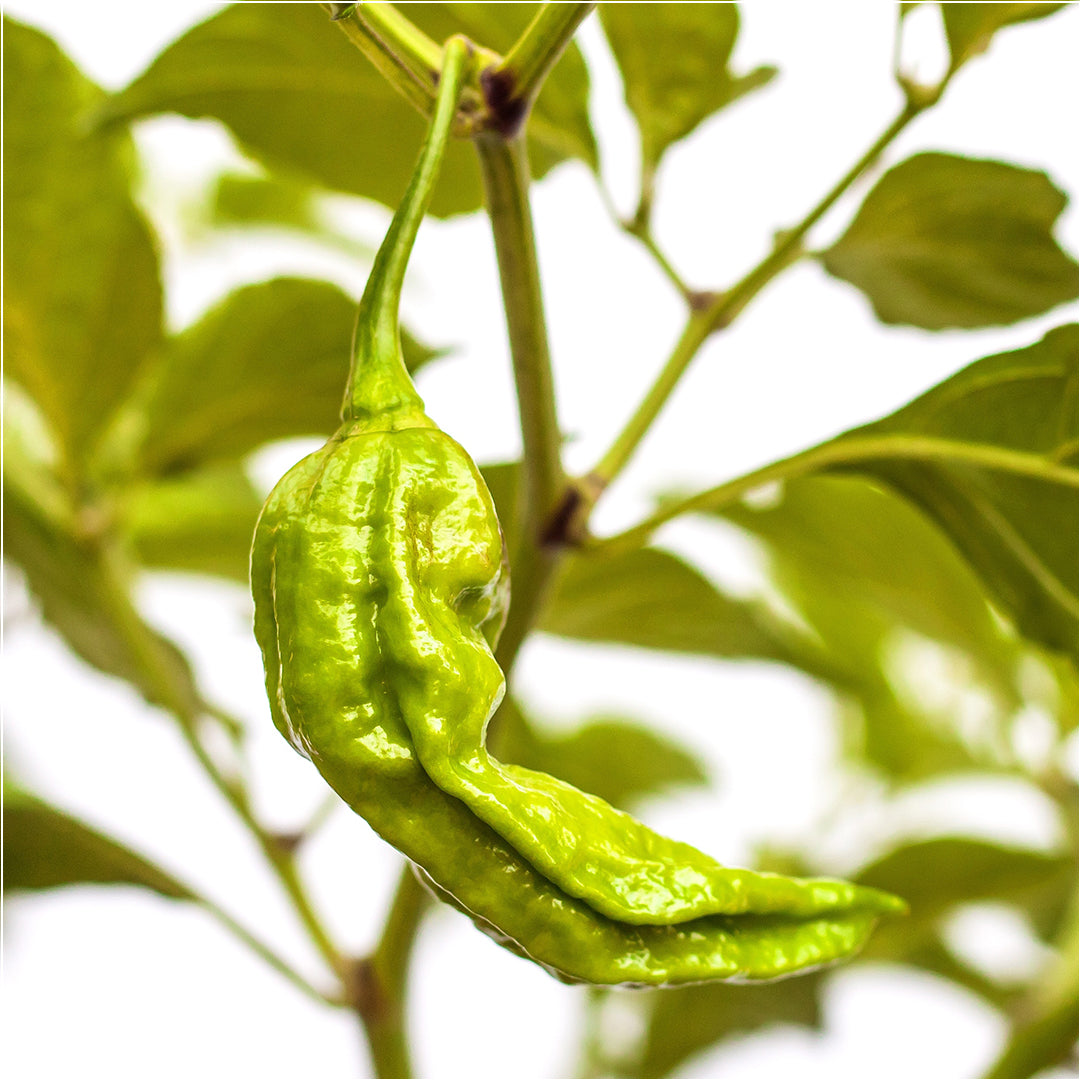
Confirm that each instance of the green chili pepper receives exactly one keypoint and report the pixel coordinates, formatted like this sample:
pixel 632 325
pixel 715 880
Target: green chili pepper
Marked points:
pixel 380 582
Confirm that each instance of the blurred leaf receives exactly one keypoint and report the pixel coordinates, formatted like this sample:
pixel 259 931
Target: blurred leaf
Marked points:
pixel 298 95
pixel 1017 531
pixel 939 875
pixel 933 956
pixel 44 848
pixel 240 199
pixel 869 547
pixel 268 362
pixel 942 875
pixel 969 27
pixel 909 741
pixel 74 577
pixel 674 63
pixel 859 563
pixel 502 482
pixel 606 756
pixel 1060 694
pixel 683 1021
pixel 654 600
pixel 82 300
pixel 945 241
pixel 202 521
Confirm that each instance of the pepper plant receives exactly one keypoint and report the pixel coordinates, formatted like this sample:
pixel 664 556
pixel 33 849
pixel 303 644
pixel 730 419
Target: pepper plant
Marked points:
pixel 951 520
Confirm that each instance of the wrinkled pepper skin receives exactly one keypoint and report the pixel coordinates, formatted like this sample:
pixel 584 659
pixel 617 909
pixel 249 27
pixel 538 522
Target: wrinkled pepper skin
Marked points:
pixel 380 583
pixel 377 566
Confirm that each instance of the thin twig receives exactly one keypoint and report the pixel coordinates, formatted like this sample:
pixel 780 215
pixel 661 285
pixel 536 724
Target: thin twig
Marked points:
pixel 850 452
pixel 723 309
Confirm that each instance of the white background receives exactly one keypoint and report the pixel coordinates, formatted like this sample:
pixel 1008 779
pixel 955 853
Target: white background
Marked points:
pixel 113 982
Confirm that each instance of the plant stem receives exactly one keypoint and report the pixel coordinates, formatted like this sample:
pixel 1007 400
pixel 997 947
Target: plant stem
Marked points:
pixel 280 860
pixel 642 232
pixel 419 53
pixel 378 984
pixel 382 980
pixel 505 173
pixel 595 1061
pixel 322 814
pixel 264 951
pixel 379 383
pixel 409 47
pixel 727 305
pixel 640 228
pixel 144 651
pixel 527 64
pixel 696 330
pixel 418 92
pixel 504 169
pixel 642 219
pixel 849 452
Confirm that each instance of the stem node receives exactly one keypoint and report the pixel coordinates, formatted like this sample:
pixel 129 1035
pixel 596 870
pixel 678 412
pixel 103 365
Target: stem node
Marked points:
pixel 362 990
pixel 703 299
pixel 566 526
pixel 507 110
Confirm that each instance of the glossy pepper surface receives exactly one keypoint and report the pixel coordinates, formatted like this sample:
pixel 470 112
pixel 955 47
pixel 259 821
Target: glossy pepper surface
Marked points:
pixel 380 583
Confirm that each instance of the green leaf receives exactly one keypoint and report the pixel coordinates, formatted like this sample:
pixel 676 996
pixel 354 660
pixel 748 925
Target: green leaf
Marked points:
pixel 1013 514
pixel 969 27
pixel 618 760
pixel 299 96
pixel 941 875
pixel 75 576
pixel 854 539
pixel 674 62
pixel 945 241
pixel 240 199
pixel 45 848
pixel 910 742
pixel 202 521
pixel 502 482
pixel 82 299
pixel 860 564
pixel 933 955
pixel 268 362
pixel 654 600
pixel 683 1021
pixel 937 875
pixel 274 202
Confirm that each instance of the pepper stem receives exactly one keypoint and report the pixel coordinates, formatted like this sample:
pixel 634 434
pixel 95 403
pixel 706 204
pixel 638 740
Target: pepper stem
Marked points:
pixel 379 382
